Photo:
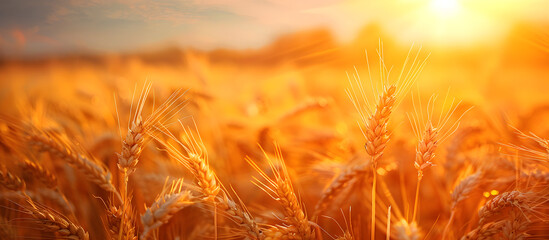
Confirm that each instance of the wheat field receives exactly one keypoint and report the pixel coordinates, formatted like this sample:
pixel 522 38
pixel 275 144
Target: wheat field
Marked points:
pixel 314 142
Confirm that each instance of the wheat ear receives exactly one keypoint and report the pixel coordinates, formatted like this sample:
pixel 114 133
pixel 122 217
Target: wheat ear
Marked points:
pixel 460 193
pixel 120 220
pixel 346 236
pixel 464 188
pixel 374 120
pixel 338 185
pixel 52 191
pixel 281 189
pixel 195 159
pixel 11 181
pixel 95 172
pixel 375 131
pixel 516 226
pixel 425 152
pixel 402 230
pixel 57 197
pixel 166 205
pixel 497 204
pixel 37 171
pixel 486 231
pixel 55 222
pixel 376 138
pixel 431 132
pixel 132 145
pixel 239 215
pixel 280 233
pixel 376 134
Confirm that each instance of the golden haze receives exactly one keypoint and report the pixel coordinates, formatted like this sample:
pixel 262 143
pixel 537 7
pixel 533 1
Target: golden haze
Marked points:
pixel 88 154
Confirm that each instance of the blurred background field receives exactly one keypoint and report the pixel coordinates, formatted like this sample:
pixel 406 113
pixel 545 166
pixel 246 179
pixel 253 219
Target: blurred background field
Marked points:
pixel 479 48
pixel 506 76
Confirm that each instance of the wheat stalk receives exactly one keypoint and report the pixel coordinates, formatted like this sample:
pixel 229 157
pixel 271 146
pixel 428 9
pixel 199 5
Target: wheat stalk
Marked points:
pixel 519 213
pixel 376 134
pixel 133 143
pixel 376 137
pixel 431 133
pixel 374 120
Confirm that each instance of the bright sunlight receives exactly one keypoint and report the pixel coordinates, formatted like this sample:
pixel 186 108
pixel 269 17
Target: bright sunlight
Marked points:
pixel 445 7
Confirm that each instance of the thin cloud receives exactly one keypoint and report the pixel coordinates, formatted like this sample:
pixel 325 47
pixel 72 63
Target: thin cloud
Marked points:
pixel 172 11
pixel 59 14
pixel 19 38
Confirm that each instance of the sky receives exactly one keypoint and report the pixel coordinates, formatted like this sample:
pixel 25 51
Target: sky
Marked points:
pixel 33 27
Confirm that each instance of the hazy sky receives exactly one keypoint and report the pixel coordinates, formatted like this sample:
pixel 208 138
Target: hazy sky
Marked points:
pixel 48 26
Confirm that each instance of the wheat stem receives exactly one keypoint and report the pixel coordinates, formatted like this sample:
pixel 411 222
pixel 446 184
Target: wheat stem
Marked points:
pixel 373 224
pixel 416 199
pixel 388 232
pixel 446 228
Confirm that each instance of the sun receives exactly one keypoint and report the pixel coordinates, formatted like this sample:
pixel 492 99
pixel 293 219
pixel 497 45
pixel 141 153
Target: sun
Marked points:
pixel 445 7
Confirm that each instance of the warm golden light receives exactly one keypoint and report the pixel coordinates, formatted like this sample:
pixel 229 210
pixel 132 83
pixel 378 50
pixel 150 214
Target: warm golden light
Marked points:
pixel 445 7
pixel 277 119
